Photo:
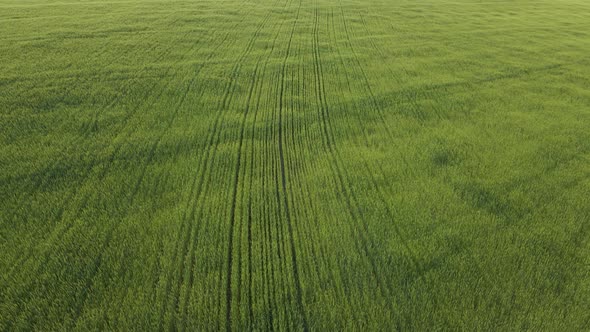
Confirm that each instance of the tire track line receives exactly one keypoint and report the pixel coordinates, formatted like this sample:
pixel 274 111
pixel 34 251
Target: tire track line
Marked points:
pixel 151 154
pixel 135 190
pixel 284 179
pixel 412 96
pixel 263 253
pixel 194 181
pixel 302 169
pixel 341 174
pixel 208 160
pixel 364 75
pixel 196 186
pixel 408 249
pixel 235 189
pixel 252 163
pixel 348 84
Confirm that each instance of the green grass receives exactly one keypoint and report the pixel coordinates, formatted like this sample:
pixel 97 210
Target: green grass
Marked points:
pixel 299 164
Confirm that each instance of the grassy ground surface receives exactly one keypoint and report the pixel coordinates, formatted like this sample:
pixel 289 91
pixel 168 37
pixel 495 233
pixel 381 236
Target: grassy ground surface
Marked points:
pixel 295 164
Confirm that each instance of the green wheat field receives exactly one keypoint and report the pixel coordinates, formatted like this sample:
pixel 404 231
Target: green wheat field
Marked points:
pixel 319 165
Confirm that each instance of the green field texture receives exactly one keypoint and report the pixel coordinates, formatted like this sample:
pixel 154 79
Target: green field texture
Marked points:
pixel 295 165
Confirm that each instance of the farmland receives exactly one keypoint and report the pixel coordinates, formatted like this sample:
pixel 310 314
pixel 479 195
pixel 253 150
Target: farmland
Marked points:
pixel 295 165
